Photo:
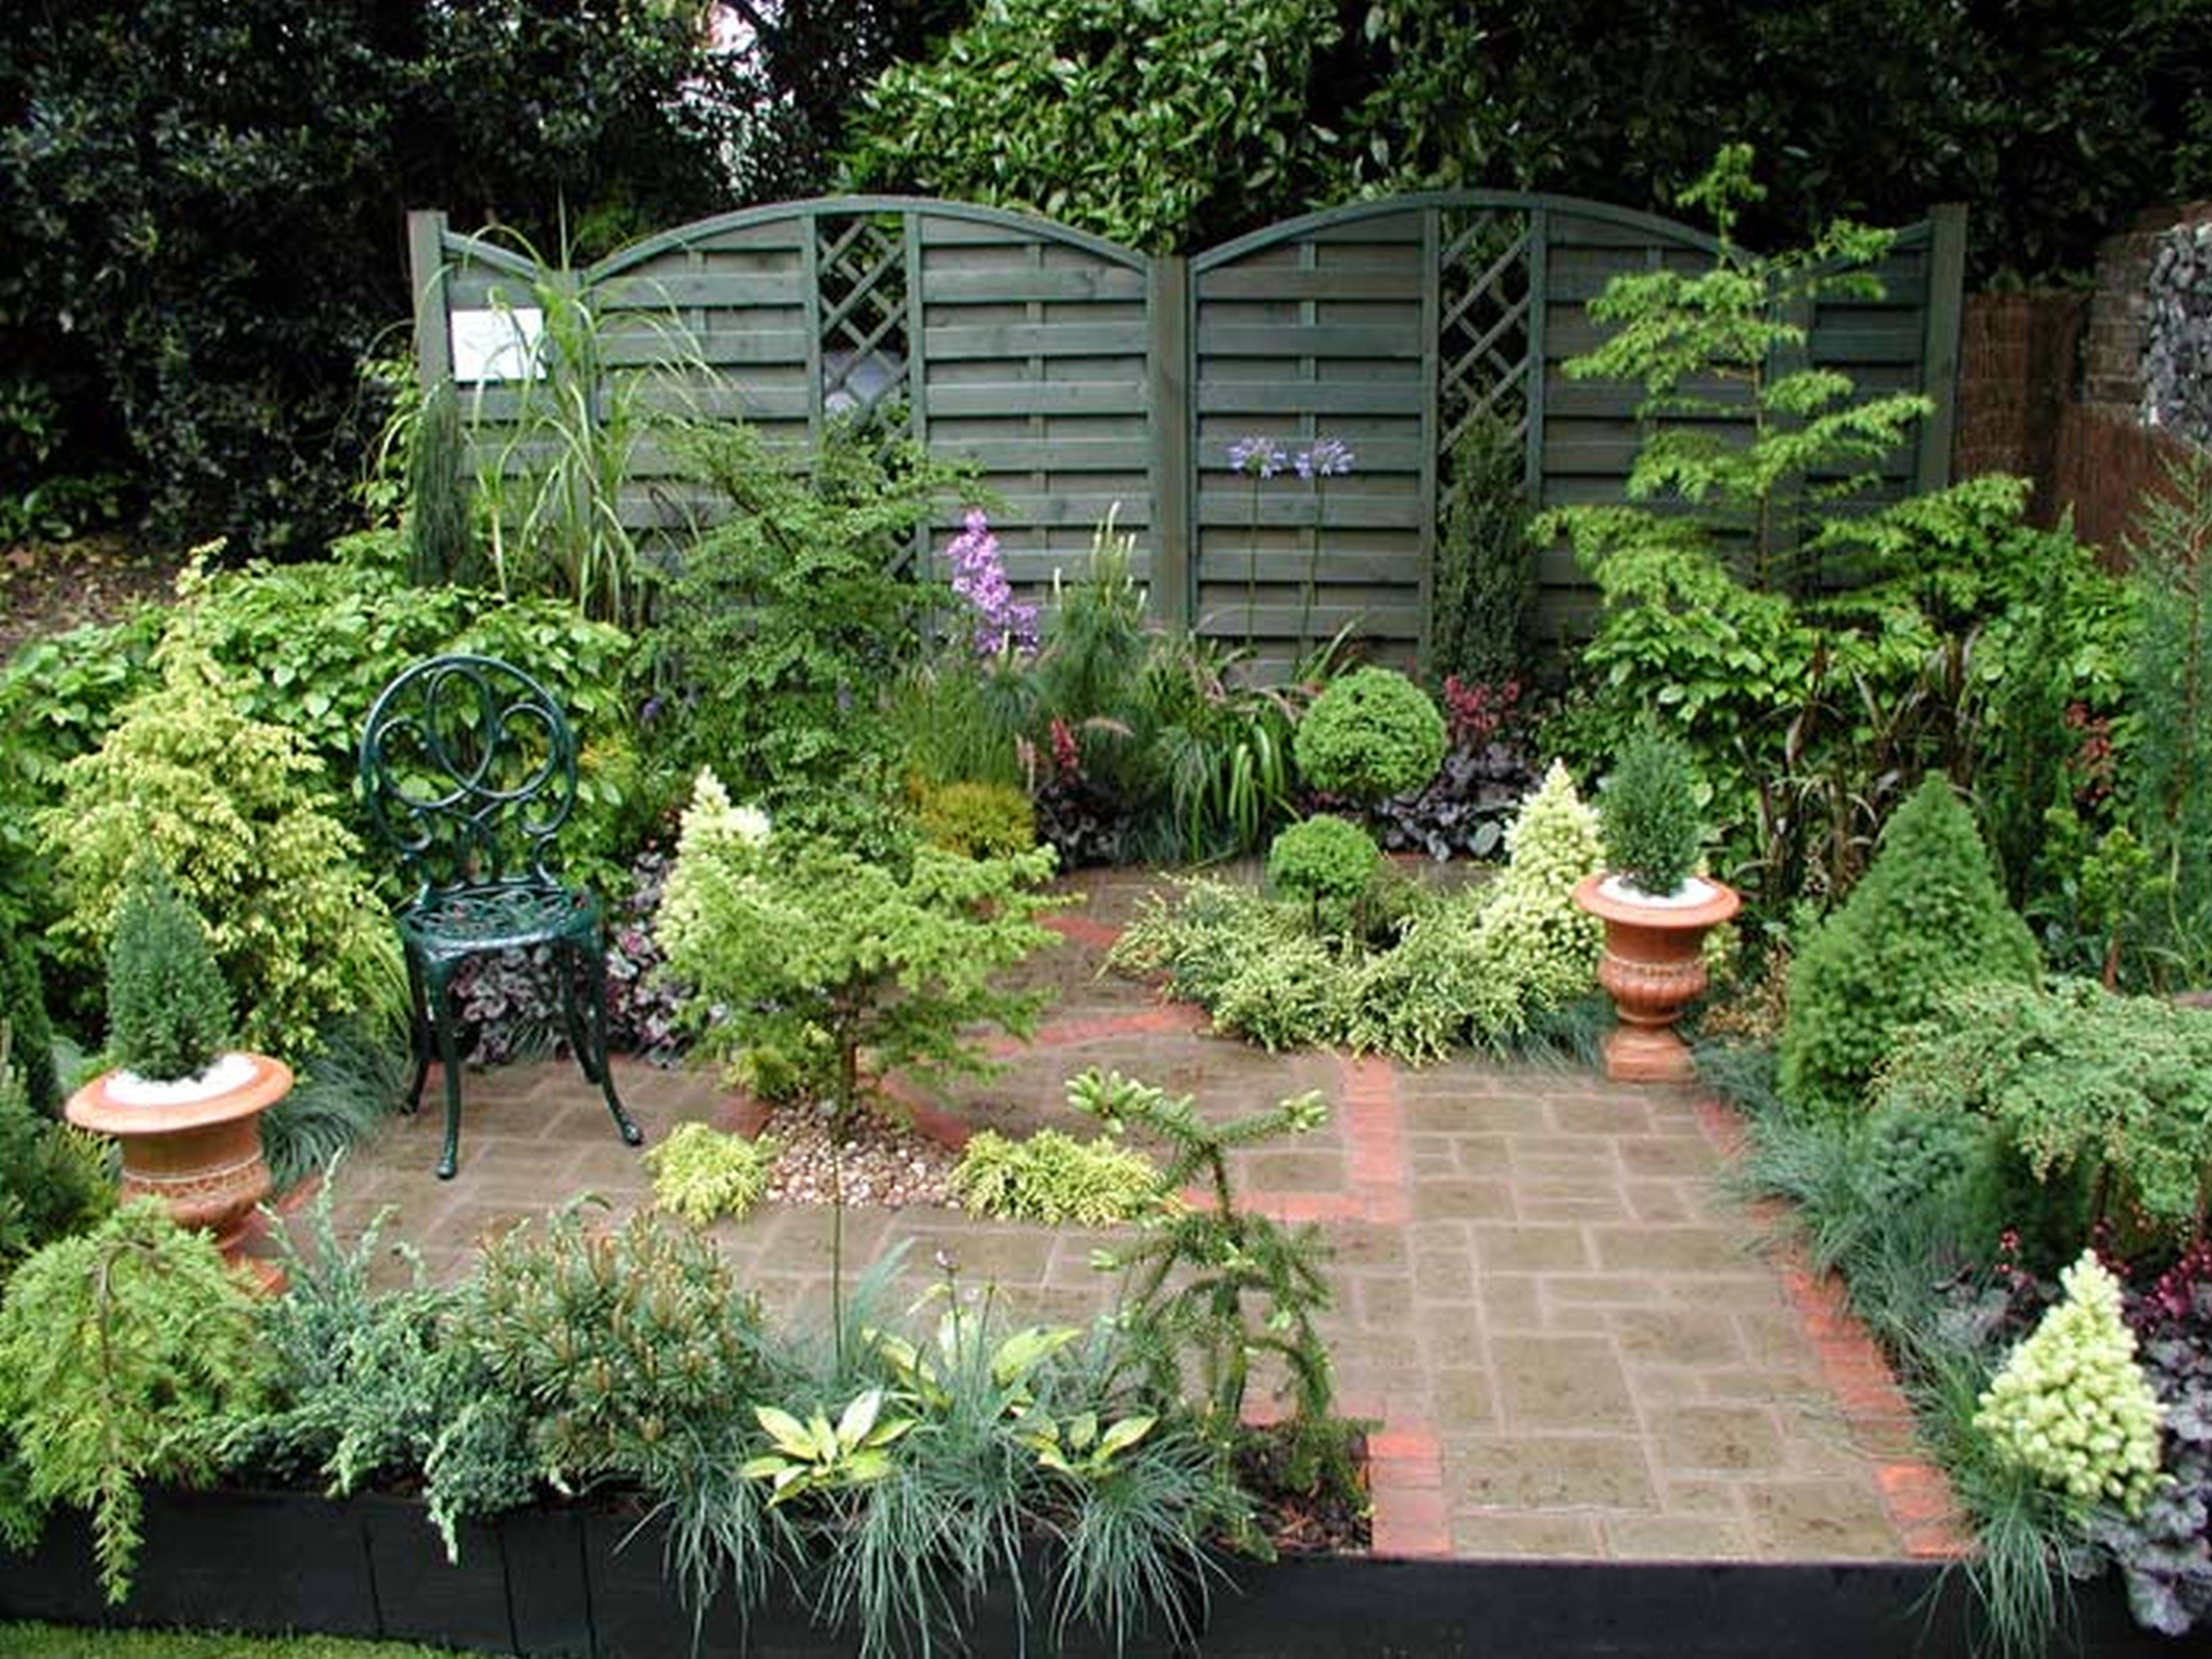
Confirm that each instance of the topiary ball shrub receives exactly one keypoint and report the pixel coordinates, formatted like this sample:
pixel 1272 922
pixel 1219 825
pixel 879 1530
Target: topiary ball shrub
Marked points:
pixel 1323 859
pixel 1371 735
pixel 1648 807
pixel 169 1010
pixel 1927 917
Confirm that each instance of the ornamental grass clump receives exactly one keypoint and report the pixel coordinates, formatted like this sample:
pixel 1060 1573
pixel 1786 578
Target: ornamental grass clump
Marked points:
pixel 1649 810
pixel 2072 1405
pixel 1369 735
pixel 169 1010
pixel 1928 917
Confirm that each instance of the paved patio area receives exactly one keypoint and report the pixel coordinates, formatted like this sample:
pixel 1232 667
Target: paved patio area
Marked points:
pixel 1576 1347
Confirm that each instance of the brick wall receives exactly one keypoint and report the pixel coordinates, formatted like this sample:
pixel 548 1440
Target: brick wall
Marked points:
pixel 2017 357
pixel 2051 387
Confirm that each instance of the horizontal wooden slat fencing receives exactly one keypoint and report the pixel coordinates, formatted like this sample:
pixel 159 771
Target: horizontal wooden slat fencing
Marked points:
pixel 1080 377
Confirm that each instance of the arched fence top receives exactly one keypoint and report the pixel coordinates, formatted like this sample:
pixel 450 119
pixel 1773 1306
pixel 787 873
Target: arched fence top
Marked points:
pixel 1080 378
pixel 1496 201
pixel 841 207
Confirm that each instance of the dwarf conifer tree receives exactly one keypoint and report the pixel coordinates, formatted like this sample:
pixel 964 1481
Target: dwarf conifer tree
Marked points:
pixel 169 1010
pixel 1928 917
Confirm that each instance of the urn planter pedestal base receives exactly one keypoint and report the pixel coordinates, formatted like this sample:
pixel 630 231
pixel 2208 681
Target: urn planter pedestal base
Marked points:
pixel 1653 968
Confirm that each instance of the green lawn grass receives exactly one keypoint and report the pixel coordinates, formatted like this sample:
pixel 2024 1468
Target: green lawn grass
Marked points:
pixel 77 1641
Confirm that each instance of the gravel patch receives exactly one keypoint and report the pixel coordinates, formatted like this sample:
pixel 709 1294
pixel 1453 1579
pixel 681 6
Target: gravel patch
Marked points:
pixel 878 1163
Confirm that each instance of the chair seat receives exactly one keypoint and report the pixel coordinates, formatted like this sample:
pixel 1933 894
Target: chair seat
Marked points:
pixel 510 915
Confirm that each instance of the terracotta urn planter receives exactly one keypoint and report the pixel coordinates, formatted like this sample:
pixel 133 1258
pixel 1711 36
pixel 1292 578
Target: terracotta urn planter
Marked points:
pixel 195 1144
pixel 1653 968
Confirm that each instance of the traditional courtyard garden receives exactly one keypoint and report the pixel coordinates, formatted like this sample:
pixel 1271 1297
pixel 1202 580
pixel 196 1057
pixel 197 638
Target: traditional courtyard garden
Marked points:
pixel 1117 1101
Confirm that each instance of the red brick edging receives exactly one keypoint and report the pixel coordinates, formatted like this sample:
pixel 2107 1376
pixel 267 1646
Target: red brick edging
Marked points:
pixel 1915 1494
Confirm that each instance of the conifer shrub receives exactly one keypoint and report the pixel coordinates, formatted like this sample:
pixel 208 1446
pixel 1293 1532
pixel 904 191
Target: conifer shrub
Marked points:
pixel 2071 1406
pixel 54 1179
pixel 1371 734
pixel 1051 1177
pixel 235 810
pixel 23 1016
pixel 977 820
pixel 1649 810
pixel 1927 916
pixel 1324 860
pixel 2103 1104
pixel 123 1353
pixel 702 1174
pixel 169 1010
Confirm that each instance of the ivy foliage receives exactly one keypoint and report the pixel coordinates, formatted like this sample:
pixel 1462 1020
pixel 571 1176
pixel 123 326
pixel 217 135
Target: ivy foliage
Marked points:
pixel 236 811
pixel 1928 917
pixel 123 1351
pixel 804 947
pixel 1159 124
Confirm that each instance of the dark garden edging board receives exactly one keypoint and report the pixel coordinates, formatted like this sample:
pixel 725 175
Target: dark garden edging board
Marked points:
pixel 589 1583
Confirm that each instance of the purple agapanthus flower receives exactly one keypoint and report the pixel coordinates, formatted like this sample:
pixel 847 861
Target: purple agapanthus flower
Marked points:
pixel 1330 458
pixel 1260 456
pixel 998 620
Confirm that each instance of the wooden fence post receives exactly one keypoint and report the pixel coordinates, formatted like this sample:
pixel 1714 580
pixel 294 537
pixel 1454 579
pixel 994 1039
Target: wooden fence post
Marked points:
pixel 426 265
pixel 1938 358
pixel 1174 493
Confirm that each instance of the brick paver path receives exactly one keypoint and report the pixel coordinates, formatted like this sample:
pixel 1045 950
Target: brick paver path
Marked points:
pixel 1574 1348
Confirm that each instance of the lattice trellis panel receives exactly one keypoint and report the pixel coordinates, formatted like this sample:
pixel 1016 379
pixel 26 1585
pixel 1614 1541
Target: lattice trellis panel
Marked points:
pixel 860 274
pixel 1485 290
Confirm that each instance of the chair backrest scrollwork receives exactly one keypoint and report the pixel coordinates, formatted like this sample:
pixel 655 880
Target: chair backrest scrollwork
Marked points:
pixel 468 770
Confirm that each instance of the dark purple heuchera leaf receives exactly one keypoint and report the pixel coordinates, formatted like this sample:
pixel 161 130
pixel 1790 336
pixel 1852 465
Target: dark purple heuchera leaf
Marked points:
pixel 510 1005
pixel 1463 811
pixel 2164 1554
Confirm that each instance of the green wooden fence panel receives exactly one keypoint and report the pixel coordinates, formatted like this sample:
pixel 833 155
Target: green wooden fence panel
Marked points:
pixel 1080 378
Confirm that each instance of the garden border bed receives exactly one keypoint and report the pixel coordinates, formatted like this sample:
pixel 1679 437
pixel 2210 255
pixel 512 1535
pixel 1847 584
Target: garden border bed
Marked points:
pixel 587 1580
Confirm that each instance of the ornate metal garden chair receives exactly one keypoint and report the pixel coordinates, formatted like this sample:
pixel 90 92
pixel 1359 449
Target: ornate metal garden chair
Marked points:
pixel 468 768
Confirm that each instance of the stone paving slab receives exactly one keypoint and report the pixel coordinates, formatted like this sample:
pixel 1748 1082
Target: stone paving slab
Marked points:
pixel 1573 1347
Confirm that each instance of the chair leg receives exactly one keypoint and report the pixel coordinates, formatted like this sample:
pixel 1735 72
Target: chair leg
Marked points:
pixel 591 1041
pixel 449 1060
pixel 419 1034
